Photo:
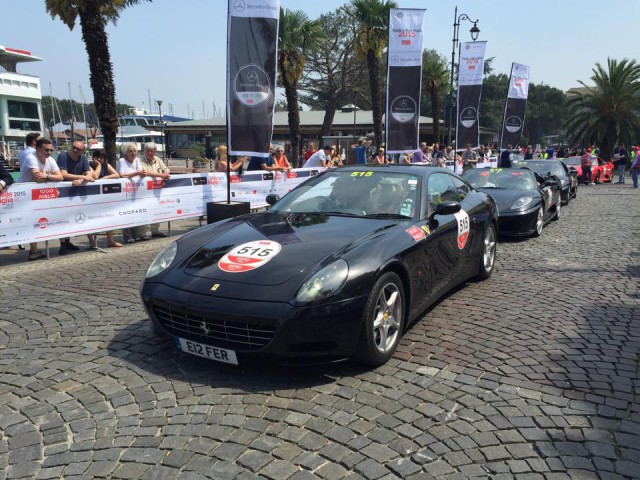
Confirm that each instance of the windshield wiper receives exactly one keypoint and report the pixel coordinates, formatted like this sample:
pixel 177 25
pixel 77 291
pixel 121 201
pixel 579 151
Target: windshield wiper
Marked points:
pixel 345 214
pixel 388 215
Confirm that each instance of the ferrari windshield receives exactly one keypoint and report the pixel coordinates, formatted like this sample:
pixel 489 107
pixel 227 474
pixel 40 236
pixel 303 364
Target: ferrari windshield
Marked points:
pixel 366 193
pixel 543 167
pixel 508 178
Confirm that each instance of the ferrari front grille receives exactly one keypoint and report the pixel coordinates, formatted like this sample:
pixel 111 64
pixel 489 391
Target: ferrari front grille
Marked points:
pixel 214 331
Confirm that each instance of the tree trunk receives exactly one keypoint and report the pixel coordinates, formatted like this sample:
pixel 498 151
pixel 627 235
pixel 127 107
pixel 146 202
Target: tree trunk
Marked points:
pixel 291 94
pixel 373 65
pixel 101 75
pixel 329 114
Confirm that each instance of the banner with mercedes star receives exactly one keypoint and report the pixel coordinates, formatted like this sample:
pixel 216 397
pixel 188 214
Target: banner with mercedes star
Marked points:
pixel 516 106
pixel 404 75
pixel 252 38
pixel 470 74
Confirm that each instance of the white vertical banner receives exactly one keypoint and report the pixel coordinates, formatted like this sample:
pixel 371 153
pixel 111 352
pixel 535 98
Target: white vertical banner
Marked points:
pixel 470 76
pixel 404 79
pixel 252 46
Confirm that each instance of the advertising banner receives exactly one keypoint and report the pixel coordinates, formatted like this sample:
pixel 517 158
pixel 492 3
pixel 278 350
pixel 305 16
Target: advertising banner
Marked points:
pixel 470 75
pixel 33 212
pixel 404 78
pixel 252 46
pixel 516 106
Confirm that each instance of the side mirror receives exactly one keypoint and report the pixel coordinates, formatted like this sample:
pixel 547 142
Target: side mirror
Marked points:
pixel 550 183
pixel 272 198
pixel 446 208
pixel 572 169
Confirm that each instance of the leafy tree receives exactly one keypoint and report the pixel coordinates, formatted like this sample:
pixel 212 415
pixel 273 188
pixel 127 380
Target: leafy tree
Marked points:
pixel 371 40
pixel 297 34
pixel 494 93
pixel 546 113
pixel 607 112
pixel 93 16
pixel 332 75
pixel 435 79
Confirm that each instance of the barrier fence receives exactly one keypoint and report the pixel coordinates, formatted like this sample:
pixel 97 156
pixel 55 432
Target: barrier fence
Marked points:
pixel 32 212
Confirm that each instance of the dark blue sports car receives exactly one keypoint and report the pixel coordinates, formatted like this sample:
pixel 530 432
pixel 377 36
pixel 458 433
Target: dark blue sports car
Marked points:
pixel 337 268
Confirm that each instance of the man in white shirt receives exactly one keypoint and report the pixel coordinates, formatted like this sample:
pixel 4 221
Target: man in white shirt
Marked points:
pixel 320 159
pixel 39 167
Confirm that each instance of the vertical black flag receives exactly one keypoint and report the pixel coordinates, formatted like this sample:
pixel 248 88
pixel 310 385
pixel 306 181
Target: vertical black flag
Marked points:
pixel 404 77
pixel 470 75
pixel 516 106
pixel 252 38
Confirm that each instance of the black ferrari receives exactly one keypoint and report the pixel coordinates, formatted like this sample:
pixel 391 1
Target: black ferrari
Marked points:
pixel 567 179
pixel 337 268
pixel 526 201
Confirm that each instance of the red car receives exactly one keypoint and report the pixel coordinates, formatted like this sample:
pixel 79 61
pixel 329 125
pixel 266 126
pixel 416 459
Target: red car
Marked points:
pixel 601 170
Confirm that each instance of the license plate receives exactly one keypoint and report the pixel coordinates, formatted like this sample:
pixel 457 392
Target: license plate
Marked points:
pixel 207 351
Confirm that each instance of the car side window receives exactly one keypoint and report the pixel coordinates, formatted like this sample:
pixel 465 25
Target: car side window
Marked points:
pixel 440 189
pixel 461 188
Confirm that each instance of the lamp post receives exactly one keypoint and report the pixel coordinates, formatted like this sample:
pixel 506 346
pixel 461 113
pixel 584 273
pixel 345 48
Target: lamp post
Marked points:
pixel 474 31
pixel 164 144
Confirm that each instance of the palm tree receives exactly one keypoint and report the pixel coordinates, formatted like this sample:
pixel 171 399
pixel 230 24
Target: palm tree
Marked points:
pixel 94 16
pixel 297 34
pixel 435 76
pixel 607 112
pixel 371 40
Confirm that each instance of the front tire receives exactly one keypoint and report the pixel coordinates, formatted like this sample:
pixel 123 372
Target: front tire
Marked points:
pixel 382 321
pixel 539 223
pixel 488 258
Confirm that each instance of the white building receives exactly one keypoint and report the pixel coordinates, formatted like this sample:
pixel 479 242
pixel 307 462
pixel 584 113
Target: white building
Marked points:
pixel 20 98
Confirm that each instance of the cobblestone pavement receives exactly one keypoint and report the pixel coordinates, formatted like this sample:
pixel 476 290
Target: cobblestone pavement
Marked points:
pixel 533 374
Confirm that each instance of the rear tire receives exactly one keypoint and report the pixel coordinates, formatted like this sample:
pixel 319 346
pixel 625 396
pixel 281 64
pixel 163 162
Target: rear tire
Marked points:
pixel 383 321
pixel 488 257
pixel 558 208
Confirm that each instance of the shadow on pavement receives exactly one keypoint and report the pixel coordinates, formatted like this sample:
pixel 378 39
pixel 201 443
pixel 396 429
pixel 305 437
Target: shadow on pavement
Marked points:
pixel 137 345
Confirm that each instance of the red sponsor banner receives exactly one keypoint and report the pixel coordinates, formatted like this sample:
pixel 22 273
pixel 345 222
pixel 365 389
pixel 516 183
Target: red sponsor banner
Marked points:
pixel 44 193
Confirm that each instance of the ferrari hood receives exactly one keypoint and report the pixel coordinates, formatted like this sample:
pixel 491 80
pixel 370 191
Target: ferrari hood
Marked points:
pixel 505 198
pixel 271 248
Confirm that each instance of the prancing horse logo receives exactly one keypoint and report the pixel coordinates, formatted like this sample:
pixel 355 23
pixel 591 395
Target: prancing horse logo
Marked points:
pixel 204 328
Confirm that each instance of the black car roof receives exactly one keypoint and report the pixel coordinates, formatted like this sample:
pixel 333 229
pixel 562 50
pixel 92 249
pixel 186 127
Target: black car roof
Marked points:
pixel 420 170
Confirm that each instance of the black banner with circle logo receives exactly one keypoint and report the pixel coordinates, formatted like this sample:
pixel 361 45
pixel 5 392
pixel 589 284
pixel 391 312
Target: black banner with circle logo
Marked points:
pixel 470 76
pixel 252 38
pixel 516 106
pixel 404 76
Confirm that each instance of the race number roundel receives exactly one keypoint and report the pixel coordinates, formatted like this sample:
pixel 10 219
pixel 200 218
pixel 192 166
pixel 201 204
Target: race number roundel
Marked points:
pixel 249 256
pixel 463 228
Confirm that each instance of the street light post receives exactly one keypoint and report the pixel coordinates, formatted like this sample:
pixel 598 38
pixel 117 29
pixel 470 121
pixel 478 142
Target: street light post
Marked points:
pixel 475 31
pixel 164 143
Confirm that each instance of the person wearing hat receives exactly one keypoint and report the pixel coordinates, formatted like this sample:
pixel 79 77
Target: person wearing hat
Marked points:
pixel 322 158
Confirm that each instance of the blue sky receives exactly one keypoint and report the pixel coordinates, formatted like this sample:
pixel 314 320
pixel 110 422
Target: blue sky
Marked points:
pixel 175 50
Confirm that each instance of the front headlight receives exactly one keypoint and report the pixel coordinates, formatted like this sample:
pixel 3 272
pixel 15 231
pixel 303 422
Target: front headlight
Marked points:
pixel 162 260
pixel 324 283
pixel 522 202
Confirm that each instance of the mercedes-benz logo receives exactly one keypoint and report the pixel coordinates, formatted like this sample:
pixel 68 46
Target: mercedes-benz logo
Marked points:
pixel 203 327
pixel 252 77
pixel 395 59
pixel 239 5
pixel 80 217
pixel 403 103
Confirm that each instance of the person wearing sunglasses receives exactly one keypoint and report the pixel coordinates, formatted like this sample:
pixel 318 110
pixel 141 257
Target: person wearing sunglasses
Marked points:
pixel 102 171
pixel 39 167
pixel 74 167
